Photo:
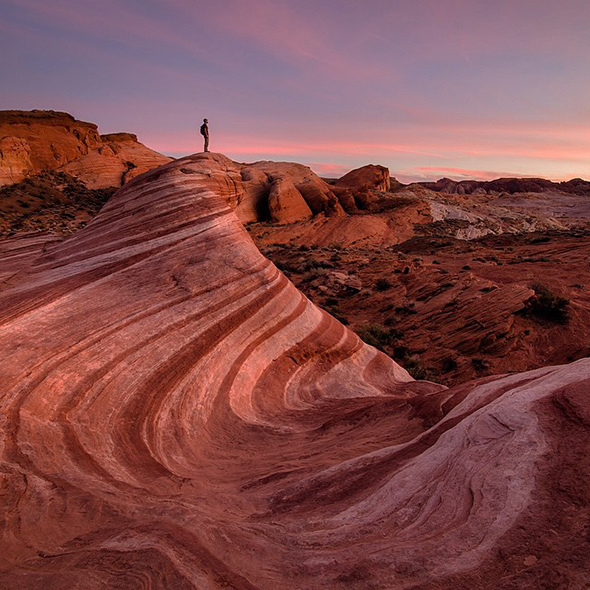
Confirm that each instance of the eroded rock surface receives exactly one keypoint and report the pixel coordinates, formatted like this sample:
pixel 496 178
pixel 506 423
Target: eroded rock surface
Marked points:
pixel 38 141
pixel 119 159
pixel 175 414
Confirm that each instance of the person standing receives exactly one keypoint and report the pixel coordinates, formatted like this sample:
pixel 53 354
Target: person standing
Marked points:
pixel 205 133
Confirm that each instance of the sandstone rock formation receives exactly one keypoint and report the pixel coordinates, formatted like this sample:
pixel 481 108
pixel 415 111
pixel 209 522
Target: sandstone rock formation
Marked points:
pixel 355 188
pixel 281 192
pixel 508 185
pixel 366 177
pixel 119 159
pixel 175 414
pixel 32 141
pixel 36 141
pixel 286 204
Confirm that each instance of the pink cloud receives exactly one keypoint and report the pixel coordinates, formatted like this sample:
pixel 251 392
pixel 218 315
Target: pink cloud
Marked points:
pixel 288 33
pixel 328 169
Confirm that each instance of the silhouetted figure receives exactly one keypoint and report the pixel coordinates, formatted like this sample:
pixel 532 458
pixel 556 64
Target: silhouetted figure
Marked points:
pixel 205 133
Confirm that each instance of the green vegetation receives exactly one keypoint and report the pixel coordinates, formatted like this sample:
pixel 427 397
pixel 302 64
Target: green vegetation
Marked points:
pixel 379 336
pixel 547 305
pixel 449 364
pixel 382 285
pixel 49 201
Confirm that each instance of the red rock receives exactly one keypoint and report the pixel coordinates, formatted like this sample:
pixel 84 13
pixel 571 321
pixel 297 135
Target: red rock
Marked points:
pixel 316 192
pixel 119 159
pixel 175 414
pixel 286 204
pixel 34 141
pixel 297 192
pixel 366 177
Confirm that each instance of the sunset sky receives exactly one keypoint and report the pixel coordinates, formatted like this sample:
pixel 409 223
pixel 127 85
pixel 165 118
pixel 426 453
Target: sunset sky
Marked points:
pixel 429 88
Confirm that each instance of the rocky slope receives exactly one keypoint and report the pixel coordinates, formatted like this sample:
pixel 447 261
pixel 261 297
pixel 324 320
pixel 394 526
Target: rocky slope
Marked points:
pixel 175 414
pixel 49 202
pixel 452 310
pixel 38 141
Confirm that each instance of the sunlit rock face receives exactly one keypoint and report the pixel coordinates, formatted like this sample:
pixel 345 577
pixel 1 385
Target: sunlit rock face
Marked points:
pixel 35 141
pixel 367 177
pixel 119 158
pixel 280 192
pixel 175 414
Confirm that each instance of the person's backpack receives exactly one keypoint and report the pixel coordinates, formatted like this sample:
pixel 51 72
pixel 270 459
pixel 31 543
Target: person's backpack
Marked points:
pixel 203 129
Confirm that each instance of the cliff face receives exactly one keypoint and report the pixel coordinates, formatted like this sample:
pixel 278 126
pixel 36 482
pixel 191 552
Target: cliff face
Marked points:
pixel 118 159
pixel 175 414
pixel 31 142
pixel 37 141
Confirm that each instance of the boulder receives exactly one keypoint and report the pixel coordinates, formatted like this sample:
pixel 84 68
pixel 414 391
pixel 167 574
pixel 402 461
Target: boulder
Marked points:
pixel 286 204
pixel 367 177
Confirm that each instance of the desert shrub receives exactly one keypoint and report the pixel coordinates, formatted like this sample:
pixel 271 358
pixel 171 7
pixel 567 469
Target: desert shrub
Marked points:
pixel 312 275
pixel 338 315
pixel 407 309
pixel 413 365
pixel 382 285
pixel 377 335
pixel 312 264
pixel 479 364
pixel 288 267
pixel 401 352
pixel 547 305
pixel 390 320
pixel 448 364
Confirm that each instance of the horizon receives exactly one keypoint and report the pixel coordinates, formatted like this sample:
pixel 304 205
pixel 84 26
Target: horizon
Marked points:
pixel 472 91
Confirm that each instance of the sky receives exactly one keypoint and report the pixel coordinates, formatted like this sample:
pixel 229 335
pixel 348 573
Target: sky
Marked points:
pixel 429 88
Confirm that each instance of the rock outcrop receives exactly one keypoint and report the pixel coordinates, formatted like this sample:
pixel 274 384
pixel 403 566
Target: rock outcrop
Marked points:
pixel 119 159
pixel 366 177
pixel 33 141
pixel 355 189
pixel 286 204
pixel 508 185
pixel 38 141
pixel 281 192
pixel 175 414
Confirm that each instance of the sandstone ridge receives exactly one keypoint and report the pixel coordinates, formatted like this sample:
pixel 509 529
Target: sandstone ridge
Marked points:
pixel 287 192
pixel 175 414
pixel 36 141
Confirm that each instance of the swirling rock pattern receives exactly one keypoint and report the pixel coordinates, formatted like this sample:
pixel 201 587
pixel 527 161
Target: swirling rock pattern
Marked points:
pixel 175 414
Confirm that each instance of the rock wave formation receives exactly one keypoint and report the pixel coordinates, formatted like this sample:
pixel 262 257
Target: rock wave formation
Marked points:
pixel 175 414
